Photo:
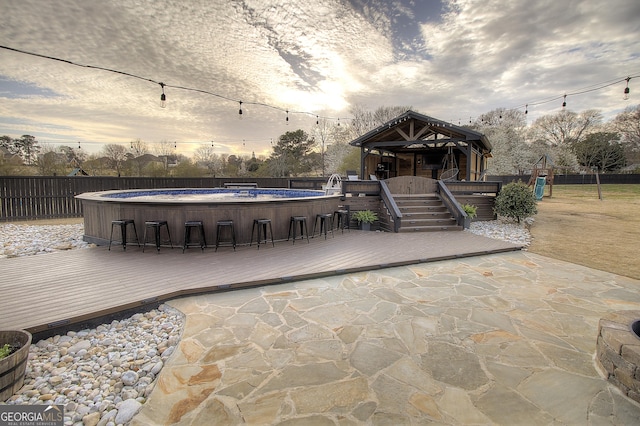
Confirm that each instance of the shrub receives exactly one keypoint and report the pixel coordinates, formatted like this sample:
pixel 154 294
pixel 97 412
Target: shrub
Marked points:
pixel 470 210
pixel 365 216
pixel 516 200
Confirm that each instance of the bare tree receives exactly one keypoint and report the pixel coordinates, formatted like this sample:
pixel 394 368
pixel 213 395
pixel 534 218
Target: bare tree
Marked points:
pixel 560 131
pixel 364 121
pixel 205 156
pixel 566 127
pixel 138 147
pixel 627 124
pixel 116 155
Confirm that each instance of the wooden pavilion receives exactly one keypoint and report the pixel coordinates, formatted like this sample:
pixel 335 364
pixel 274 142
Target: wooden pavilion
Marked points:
pixel 413 144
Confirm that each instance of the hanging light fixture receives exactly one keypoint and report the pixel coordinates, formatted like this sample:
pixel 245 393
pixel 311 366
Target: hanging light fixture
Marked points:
pixel 163 97
pixel 240 111
pixel 626 90
pixel 526 109
pixel 317 120
pixel 564 102
pixel 287 119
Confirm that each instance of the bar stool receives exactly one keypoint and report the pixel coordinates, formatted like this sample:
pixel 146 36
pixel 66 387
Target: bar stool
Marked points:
pixel 122 223
pixel 156 225
pixel 342 216
pixel 326 222
pixel 261 224
pixel 222 224
pixel 293 224
pixel 190 225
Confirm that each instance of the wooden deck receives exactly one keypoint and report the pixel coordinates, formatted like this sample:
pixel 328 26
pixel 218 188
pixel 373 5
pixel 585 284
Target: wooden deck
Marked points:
pixel 49 292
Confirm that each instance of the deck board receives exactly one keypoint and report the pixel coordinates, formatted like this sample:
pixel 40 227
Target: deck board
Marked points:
pixel 77 285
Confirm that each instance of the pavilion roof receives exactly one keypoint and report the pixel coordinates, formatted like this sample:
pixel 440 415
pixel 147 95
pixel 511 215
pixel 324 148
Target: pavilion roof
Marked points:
pixel 414 131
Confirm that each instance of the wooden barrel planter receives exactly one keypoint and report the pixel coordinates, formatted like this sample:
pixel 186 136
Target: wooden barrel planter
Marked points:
pixel 12 368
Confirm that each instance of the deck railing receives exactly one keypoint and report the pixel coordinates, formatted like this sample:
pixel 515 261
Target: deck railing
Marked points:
pixel 391 206
pixel 449 200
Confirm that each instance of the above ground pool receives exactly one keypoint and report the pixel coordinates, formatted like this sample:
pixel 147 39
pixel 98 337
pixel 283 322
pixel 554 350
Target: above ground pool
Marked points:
pixel 209 205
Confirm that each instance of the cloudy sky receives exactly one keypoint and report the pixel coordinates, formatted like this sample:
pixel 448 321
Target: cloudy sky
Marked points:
pixel 448 59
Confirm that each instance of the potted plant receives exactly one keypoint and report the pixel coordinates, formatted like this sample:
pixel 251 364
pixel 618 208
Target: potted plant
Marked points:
pixel 14 352
pixel 365 218
pixel 471 212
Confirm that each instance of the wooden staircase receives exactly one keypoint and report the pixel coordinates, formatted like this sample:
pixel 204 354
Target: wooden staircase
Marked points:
pixel 424 213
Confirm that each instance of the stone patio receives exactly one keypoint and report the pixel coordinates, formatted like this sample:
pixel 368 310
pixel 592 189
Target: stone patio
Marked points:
pixel 498 339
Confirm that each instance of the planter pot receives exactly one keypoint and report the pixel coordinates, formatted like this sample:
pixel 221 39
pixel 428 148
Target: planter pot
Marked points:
pixel 365 226
pixel 12 368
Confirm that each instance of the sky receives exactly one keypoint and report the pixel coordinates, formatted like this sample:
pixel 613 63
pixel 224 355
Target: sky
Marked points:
pixel 452 60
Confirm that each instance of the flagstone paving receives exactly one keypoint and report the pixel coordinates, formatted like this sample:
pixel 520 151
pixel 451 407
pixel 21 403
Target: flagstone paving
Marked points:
pixel 497 339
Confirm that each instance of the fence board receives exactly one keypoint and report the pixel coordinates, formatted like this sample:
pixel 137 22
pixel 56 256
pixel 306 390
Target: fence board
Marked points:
pixel 47 197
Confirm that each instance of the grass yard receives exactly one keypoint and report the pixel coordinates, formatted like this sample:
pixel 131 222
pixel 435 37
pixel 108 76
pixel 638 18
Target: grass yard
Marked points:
pixel 576 226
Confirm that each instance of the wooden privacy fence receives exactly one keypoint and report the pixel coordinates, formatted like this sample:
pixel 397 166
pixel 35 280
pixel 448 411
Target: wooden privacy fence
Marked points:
pixel 47 197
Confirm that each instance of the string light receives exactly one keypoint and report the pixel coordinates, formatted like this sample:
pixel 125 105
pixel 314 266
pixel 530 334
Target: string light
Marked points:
pixel 595 87
pixel 163 97
pixel 626 90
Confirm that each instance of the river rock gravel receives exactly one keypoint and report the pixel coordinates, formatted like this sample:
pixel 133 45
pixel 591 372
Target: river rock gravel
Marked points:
pixel 26 240
pixel 103 375
pixel 505 230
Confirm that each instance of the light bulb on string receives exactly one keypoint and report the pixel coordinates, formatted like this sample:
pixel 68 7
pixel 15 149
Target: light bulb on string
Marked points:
pixel 78 144
pixel 526 109
pixel 287 119
pixel 317 120
pixel 175 145
pixel 626 90
pixel 564 102
pixel 163 97
pixel 240 111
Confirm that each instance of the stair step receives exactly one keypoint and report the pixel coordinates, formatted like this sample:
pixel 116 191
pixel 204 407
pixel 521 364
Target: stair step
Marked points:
pixel 426 215
pixel 430 228
pixel 418 202
pixel 444 220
